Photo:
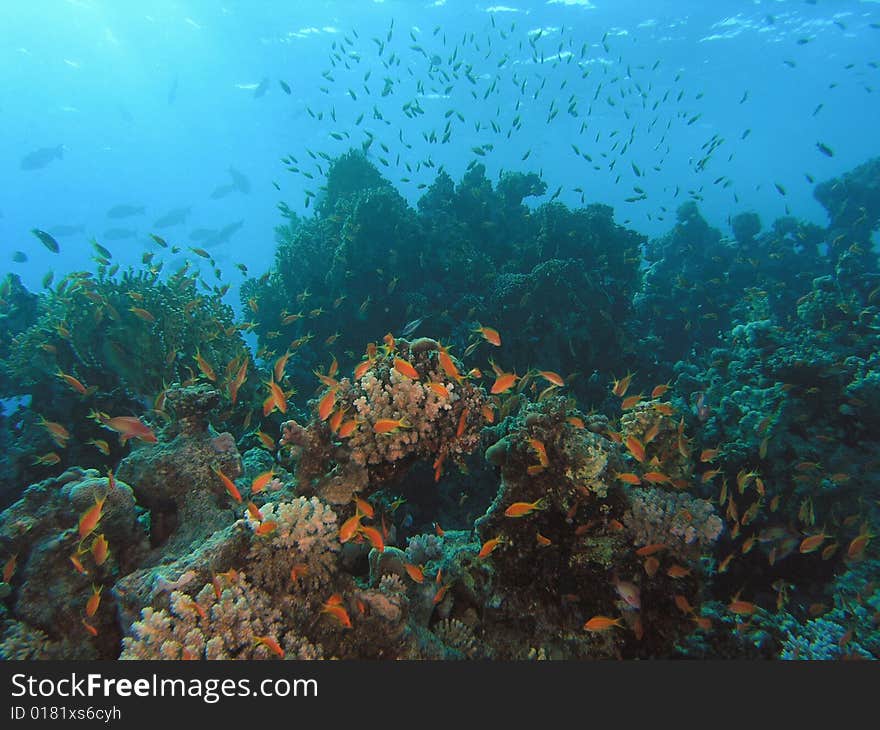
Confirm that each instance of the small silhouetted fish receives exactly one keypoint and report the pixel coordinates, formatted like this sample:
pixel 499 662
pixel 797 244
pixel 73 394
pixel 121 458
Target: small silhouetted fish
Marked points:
pixel 117 234
pixel 262 88
pixel 42 157
pixel 240 181
pixel 101 250
pixel 825 149
pixel 223 235
pixel 47 240
pixel 200 234
pixel 19 257
pixel 65 230
pixel 284 86
pixel 173 218
pixel 222 191
pixel 125 211
pixel 411 327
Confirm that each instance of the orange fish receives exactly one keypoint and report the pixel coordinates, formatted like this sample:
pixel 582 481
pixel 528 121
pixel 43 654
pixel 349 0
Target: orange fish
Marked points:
pixel 405 368
pixel 100 549
pixel 487 413
pixel 255 511
pixel 9 568
pixel 347 428
pixel 630 401
pixel 742 608
pixel 438 389
pixel 448 365
pixel 489 546
pixel 503 383
pixel 338 612
pixel 336 420
pixel 300 570
pixel 683 604
pixel 651 565
pixel 266 528
pixel 94 601
pixel 49 459
pixel 91 629
pixel 72 382
pixel 271 645
pixel 266 440
pixel 143 314
pixel 652 432
pixel 659 390
pixel 238 381
pixel 702 622
pixel 280 366
pixel 438 466
pixel 655 477
pixel 374 537
pixel 650 549
pixel 621 386
pixel 678 571
pixel 77 564
pixel 128 427
pixel 326 405
pixel 858 544
pixel 204 366
pixel 415 572
pixel 440 594
pixel 350 528
pixel 636 448
pixel 462 422
pixel 260 482
pixel 540 450
pixel 362 368
pixel 709 455
pixel 490 335
pixel 390 425
pixel 542 541
pixel 628 478
pixel 279 399
pixel 603 623
pixel 228 483
pixel 552 377
pixel 60 435
pixel 576 422
pixel 664 409
pixel 91 517
pixel 812 543
pixel 364 507
pixel 439 530
pixel 723 565
pixel 521 509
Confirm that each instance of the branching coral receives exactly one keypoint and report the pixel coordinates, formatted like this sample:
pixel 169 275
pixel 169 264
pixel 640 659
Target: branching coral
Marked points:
pixel 235 625
pixel 305 538
pixel 687 525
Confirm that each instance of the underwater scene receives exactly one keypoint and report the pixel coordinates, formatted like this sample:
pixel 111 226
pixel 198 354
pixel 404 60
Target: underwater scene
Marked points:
pixel 440 330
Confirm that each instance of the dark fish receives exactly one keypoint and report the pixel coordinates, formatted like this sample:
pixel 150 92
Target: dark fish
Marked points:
pixel 101 250
pixel 222 191
pixel 19 257
pixel 158 239
pixel 779 188
pixel 117 234
pixel 284 86
pixel 125 211
pixel 261 89
pixel 240 181
pixel 200 234
pixel 223 235
pixel 172 92
pixel 173 218
pixel 47 240
pixel 41 157
pixel 48 279
pixel 411 327
pixel 64 230
pixel 825 149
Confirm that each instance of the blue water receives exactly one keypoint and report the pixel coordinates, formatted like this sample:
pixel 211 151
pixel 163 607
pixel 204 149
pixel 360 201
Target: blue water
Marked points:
pixel 153 103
